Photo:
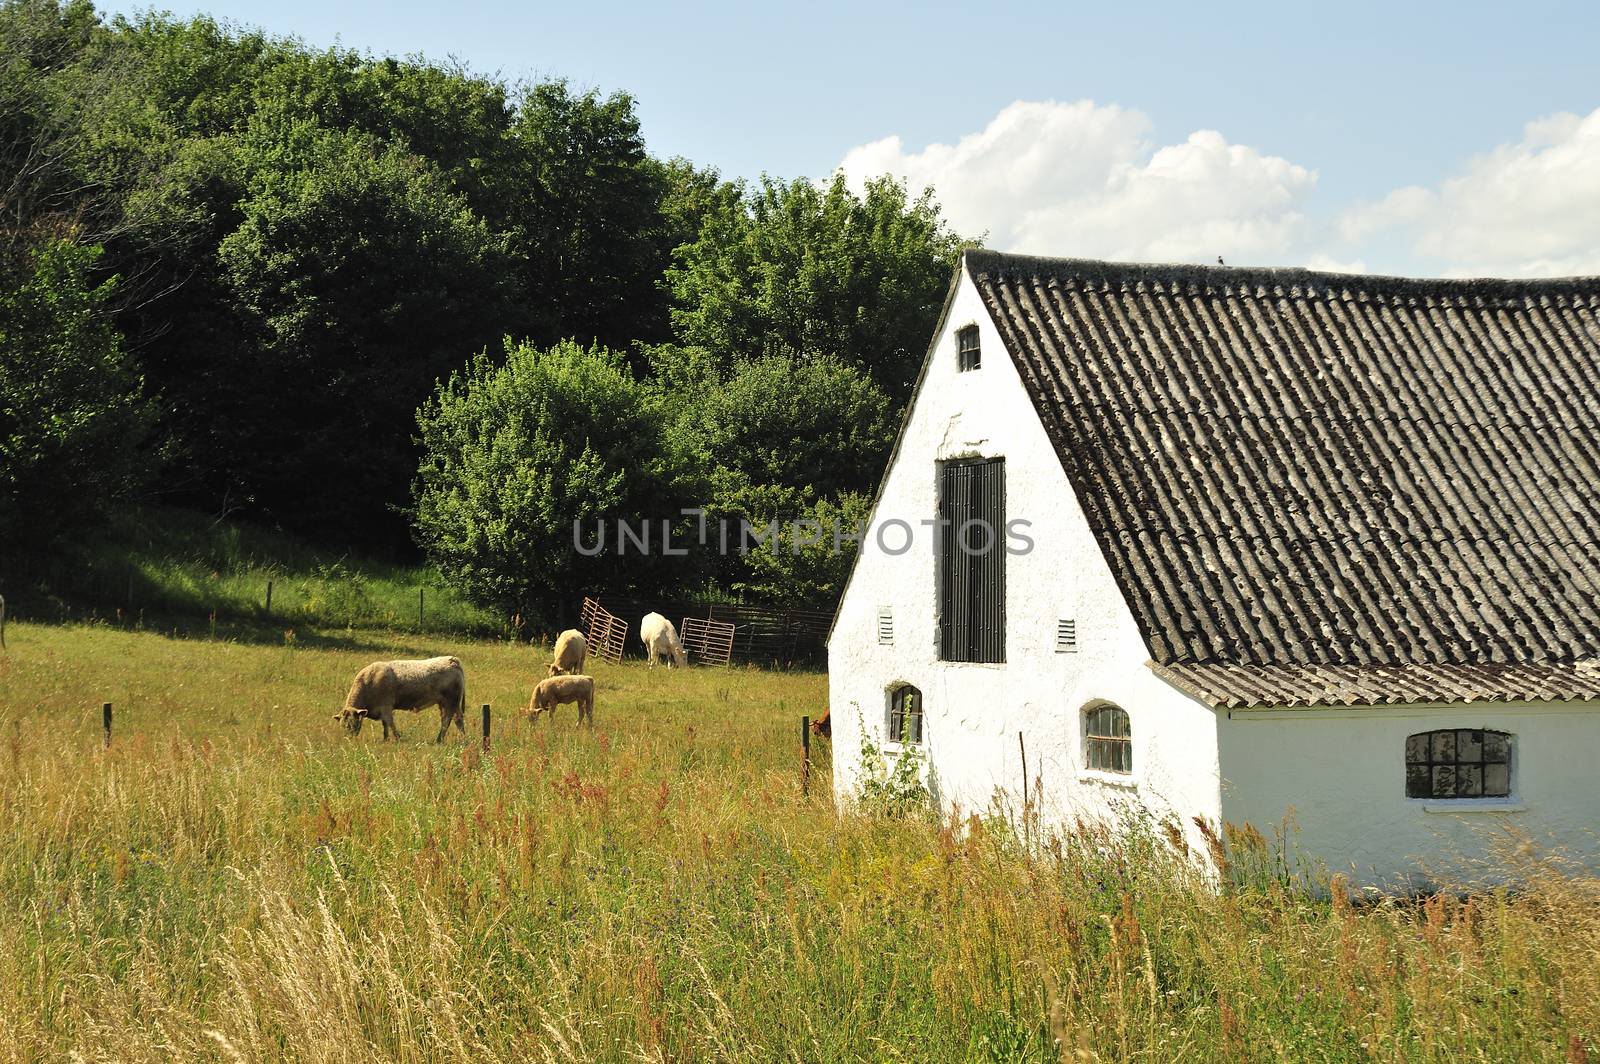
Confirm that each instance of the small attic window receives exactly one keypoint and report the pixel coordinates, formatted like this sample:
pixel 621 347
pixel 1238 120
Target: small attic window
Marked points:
pixel 968 356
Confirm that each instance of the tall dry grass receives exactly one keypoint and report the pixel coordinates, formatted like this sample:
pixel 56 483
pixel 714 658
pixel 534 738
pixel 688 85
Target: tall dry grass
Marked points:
pixel 236 880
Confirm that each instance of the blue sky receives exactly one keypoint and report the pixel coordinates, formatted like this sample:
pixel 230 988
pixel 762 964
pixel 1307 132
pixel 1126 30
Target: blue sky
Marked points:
pixel 1389 136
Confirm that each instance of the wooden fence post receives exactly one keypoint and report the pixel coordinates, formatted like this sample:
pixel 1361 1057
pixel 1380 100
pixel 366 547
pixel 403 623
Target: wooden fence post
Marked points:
pixel 805 756
pixel 486 727
pixel 105 721
pixel 422 598
pixel 1025 803
pixel 269 596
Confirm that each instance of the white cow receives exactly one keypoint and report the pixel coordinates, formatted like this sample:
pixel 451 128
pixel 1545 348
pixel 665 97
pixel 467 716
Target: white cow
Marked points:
pixel 661 640
pixel 2 622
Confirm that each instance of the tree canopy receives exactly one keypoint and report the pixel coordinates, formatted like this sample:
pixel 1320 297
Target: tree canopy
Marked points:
pixel 258 261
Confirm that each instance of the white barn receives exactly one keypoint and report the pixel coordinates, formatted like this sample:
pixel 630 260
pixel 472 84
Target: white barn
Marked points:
pixel 1300 543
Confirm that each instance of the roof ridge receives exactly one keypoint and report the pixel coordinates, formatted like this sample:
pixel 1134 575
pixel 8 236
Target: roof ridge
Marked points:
pixel 1354 286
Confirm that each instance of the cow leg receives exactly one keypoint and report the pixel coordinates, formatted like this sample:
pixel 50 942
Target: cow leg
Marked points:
pixel 461 714
pixel 389 727
pixel 445 716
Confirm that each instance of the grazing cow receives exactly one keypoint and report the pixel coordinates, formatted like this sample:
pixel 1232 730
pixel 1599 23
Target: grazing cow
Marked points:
pixel 2 622
pixel 571 648
pixel 385 686
pixel 822 725
pixel 661 640
pixel 558 690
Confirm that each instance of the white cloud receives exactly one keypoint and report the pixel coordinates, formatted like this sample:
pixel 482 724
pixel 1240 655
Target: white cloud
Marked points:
pixel 1530 208
pixel 1083 179
pixel 1086 179
pixel 1328 264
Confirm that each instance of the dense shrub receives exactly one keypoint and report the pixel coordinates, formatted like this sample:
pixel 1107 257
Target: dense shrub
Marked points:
pixel 519 453
pixel 72 419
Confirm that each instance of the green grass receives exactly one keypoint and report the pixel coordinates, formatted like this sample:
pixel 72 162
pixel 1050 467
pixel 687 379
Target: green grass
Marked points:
pixel 235 879
pixel 168 569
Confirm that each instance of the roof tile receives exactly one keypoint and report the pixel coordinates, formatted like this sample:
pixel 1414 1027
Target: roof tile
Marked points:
pixel 1287 468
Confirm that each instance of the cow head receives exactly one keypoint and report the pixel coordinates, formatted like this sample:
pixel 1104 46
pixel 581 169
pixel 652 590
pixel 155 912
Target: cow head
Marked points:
pixel 823 726
pixel 350 719
pixel 556 670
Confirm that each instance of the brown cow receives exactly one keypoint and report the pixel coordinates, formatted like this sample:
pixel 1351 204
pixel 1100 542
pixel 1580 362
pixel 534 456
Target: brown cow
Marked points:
pixel 385 686
pixel 822 725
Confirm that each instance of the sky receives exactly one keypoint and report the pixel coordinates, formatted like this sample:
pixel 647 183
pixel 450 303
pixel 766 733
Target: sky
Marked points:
pixel 1419 138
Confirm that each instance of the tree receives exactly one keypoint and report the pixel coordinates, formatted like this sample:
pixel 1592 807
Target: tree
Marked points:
pixel 361 280
pixel 814 427
pixel 588 224
pixel 521 457
pixel 808 561
pixel 72 421
pixel 783 440
pixel 802 269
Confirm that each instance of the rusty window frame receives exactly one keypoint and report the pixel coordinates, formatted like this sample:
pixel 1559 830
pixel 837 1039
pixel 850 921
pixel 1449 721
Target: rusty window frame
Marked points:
pixel 1458 763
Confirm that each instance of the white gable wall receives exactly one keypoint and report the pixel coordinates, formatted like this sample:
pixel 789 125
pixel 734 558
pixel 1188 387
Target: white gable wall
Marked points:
pixel 974 712
pixel 1342 773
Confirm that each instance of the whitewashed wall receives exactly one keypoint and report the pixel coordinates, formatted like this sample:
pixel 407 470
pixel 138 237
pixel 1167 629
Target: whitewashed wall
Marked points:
pixel 973 711
pixel 1342 773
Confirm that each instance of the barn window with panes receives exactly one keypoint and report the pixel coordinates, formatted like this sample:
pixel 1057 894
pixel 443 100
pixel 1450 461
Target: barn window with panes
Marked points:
pixel 968 356
pixel 1458 763
pixel 972 560
pixel 1107 740
pixel 905 715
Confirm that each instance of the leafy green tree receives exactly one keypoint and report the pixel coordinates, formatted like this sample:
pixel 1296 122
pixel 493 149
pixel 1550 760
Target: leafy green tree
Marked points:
pixel 516 454
pixel 797 268
pixel 806 563
pixel 361 280
pixel 72 420
pixel 784 440
pixel 813 427
pixel 588 224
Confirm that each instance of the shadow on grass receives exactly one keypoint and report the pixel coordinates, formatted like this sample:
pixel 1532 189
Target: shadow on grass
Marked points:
pixel 263 630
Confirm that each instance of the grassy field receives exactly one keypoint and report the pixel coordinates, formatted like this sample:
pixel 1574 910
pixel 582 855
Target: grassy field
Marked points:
pixel 236 880
pixel 168 569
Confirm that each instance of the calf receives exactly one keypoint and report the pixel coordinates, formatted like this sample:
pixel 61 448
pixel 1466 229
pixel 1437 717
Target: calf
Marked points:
pixel 557 690
pixel 385 686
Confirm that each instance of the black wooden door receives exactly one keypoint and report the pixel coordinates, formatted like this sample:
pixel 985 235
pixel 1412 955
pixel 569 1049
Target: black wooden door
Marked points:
pixel 972 560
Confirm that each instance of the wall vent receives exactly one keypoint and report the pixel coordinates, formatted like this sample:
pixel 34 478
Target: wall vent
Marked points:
pixel 885 626
pixel 1066 636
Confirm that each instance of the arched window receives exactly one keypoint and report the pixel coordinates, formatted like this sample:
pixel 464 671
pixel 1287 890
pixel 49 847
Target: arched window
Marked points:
pixel 1458 763
pixel 905 714
pixel 1107 739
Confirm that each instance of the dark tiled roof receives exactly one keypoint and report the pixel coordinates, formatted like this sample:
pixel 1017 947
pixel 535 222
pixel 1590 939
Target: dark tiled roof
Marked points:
pixel 1285 467
pixel 1241 686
